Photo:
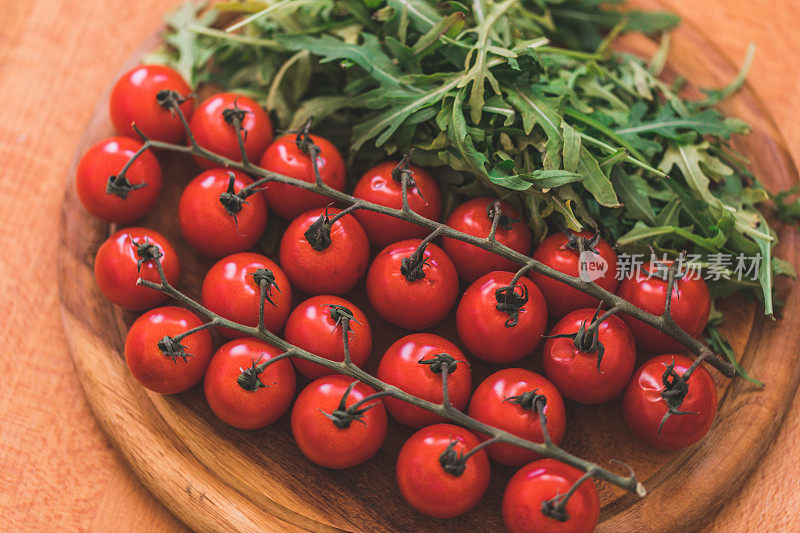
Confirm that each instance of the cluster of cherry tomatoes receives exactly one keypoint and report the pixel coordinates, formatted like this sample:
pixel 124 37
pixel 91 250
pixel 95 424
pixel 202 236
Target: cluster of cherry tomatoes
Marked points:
pixel 336 422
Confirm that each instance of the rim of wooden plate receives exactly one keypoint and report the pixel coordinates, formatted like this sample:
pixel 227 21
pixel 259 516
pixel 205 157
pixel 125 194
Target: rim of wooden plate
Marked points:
pixel 687 491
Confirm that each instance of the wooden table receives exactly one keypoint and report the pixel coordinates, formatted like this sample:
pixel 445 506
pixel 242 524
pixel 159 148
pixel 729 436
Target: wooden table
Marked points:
pixel 57 469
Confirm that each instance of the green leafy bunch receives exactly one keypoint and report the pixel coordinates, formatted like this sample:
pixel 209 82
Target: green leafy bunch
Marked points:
pixel 528 100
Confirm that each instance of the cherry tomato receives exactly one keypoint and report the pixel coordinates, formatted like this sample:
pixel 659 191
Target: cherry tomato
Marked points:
pixel 644 407
pixel 133 100
pixel 380 186
pixel 343 441
pixel 242 391
pixel 560 251
pixel 576 372
pixel 506 400
pixel 285 157
pixel 317 266
pixel 472 217
pixel 404 298
pixel 105 160
pixel 411 365
pixel 206 222
pixel 167 374
pixel 127 256
pixel 437 490
pixel 231 290
pixel 542 481
pixel 216 133
pixel 316 326
pixel 690 306
pixel 501 327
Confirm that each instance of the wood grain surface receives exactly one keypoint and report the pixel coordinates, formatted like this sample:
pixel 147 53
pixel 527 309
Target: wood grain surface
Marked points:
pixel 56 59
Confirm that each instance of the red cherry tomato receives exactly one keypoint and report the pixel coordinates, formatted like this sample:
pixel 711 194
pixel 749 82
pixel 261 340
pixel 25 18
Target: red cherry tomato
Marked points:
pixel 417 304
pixel 285 157
pixel 427 485
pixel 575 372
pixel 507 335
pixel 644 407
pixel 556 252
pixel 401 366
pixel 106 159
pixel 316 326
pixel 334 269
pixel 472 217
pixel 163 373
pixel 505 400
pixel 125 257
pixel 378 185
pixel 542 481
pixel 215 133
pixel 244 393
pixel 230 290
pixel 133 99
pixel 690 306
pixel 321 439
pixel 206 223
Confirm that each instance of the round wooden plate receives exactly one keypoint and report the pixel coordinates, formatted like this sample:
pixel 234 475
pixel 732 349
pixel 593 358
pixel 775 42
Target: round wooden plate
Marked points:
pixel 214 477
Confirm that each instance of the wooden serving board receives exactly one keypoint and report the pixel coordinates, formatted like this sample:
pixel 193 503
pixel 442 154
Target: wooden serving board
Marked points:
pixel 216 478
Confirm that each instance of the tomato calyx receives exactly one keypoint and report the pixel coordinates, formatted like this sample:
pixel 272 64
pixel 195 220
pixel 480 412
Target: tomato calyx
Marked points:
pixel 172 348
pixel 146 252
pixel 235 117
pixel 581 244
pixel 510 302
pixel 171 100
pixel 341 315
pixel 403 171
pixel 504 221
pixel 530 400
pixel 441 361
pixel 265 279
pixel 248 379
pixel 233 201
pixel 120 186
pixel 556 507
pixel 343 416
pixel 455 463
pixel 676 387
pixel 412 266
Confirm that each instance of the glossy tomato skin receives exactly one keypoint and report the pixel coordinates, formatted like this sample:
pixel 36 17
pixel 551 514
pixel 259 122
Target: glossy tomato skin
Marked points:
pixel 207 225
pixel 213 133
pixel 471 217
pixel 116 270
pixel 541 481
pixel 424 483
pixel 575 372
pixel 323 442
pixel 400 366
pixel 334 270
pixel 489 405
pixel 378 186
pixel 482 328
pixel 286 158
pixel 554 252
pixel 643 407
pixel 149 365
pixel 107 158
pixel 237 406
pixel 133 99
pixel 230 291
pixel 690 307
pixel 418 304
pixel 312 328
